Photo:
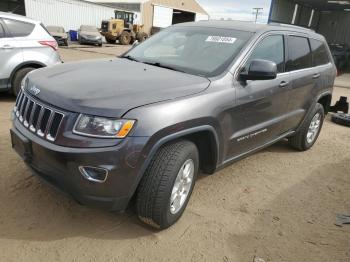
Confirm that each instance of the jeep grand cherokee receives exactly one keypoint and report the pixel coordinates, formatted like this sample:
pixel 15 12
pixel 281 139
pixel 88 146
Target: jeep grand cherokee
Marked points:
pixel 196 96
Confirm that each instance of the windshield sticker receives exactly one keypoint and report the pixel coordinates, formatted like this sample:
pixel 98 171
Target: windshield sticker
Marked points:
pixel 221 39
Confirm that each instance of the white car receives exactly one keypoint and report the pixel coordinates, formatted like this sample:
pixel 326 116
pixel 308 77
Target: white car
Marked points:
pixel 25 45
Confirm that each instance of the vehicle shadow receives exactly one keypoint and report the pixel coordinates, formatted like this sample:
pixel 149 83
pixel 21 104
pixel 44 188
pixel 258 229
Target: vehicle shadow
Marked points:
pixel 6 97
pixel 37 211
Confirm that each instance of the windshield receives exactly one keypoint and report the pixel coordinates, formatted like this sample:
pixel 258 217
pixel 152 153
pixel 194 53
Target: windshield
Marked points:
pixel 194 50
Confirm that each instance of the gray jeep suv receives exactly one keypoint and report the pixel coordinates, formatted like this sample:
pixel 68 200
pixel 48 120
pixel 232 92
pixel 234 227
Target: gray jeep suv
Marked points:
pixel 194 97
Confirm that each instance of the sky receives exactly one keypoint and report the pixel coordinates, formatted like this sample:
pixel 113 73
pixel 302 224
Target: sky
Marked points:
pixel 236 9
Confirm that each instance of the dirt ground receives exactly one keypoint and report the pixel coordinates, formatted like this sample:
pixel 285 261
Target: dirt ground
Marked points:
pixel 278 205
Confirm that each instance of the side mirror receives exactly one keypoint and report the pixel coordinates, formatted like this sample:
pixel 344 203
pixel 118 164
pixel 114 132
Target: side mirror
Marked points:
pixel 260 70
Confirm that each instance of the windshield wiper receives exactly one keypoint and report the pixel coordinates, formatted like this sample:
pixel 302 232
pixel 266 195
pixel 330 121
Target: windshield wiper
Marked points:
pixel 164 66
pixel 131 58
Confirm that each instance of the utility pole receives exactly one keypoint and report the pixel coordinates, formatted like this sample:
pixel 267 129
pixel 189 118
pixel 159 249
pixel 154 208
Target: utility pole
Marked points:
pixel 257 12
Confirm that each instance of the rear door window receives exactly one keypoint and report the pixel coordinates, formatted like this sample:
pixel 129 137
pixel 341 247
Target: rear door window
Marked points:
pixel 19 28
pixel 271 48
pixel 320 55
pixel 299 53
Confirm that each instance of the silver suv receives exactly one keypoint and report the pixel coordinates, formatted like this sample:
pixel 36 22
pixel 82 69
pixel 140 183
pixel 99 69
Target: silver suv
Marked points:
pixel 25 45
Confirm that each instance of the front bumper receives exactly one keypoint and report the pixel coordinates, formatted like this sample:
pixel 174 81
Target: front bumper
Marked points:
pixel 92 41
pixel 60 166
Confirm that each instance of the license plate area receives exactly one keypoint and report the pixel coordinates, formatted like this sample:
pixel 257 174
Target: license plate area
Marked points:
pixel 21 145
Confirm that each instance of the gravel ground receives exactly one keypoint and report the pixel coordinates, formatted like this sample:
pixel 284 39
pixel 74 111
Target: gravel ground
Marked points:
pixel 278 205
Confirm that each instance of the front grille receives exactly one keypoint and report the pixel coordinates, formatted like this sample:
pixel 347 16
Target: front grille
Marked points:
pixel 38 118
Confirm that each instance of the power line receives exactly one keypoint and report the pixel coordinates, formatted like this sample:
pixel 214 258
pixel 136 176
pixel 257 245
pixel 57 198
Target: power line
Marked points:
pixel 257 12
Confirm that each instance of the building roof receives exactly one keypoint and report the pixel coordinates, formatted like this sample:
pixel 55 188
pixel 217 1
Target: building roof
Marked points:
pixel 193 3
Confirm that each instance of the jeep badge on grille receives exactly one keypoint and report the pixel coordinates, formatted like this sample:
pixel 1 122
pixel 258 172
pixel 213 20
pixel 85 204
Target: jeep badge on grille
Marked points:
pixel 34 90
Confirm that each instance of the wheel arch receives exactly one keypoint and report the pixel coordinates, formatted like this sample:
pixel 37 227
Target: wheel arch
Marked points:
pixel 34 64
pixel 195 135
pixel 325 100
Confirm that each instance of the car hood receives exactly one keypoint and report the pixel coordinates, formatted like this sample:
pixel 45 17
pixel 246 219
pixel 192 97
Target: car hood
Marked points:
pixel 90 34
pixel 110 87
pixel 63 35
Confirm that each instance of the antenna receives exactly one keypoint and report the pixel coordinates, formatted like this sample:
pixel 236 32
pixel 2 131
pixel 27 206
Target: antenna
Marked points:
pixel 257 12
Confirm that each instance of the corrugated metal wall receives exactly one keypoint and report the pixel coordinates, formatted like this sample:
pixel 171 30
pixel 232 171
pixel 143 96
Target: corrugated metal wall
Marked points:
pixel 187 5
pixel 332 24
pixel 70 14
pixel 335 26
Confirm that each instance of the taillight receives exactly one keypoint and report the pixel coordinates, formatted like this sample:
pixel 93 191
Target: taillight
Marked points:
pixel 52 44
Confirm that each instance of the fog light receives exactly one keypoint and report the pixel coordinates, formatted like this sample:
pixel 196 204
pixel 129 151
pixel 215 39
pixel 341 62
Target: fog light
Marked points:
pixel 94 174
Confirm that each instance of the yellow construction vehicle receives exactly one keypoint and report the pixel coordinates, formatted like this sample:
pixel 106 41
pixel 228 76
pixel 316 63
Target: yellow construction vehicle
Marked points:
pixel 123 29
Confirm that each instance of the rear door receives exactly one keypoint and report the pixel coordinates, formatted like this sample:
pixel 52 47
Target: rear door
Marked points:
pixel 321 59
pixel 10 54
pixel 303 79
pixel 261 105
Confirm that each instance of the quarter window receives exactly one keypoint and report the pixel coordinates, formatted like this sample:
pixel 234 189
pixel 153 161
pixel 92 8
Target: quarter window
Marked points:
pixel 299 53
pixel 320 54
pixel 18 28
pixel 270 48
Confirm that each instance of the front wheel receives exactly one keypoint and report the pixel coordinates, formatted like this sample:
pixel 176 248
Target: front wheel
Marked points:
pixel 308 133
pixel 17 79
pixel 125 38
pixel 167 185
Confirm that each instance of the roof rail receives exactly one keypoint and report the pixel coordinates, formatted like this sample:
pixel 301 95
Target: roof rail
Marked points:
pixel 292 26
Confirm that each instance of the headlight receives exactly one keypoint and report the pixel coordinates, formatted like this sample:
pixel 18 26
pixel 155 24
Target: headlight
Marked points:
pixel 95 126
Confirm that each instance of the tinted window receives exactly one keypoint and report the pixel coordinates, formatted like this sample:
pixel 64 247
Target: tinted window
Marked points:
pixel 2 32
pixel 18 28
pixel 299 53
pixel 319 53
pixel 270 48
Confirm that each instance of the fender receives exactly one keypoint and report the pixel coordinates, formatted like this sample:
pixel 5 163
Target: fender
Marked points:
pixel 329 92
pixel 173 137
pixel 22 65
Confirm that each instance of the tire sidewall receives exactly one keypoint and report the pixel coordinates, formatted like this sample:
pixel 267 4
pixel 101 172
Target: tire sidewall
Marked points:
pixel 318 109
pixel 189 154
pixel 19 76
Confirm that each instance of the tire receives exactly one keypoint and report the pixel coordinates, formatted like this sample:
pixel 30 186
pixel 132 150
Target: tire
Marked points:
pixel 66 42
pixel 341 119
pixel 153 203
pixel 300 140
pixel 17 79
pixel 141 37
pixel 125 38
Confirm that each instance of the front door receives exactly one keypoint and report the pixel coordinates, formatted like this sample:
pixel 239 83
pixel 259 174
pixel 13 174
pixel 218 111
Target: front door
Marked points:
pixel 261 106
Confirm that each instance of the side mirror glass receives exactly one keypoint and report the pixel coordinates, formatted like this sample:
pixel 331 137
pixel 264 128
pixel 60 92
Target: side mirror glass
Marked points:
pixel 260 70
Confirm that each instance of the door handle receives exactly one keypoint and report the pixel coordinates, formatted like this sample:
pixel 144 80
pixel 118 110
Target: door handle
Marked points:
pixel 315 76
pixel 283 84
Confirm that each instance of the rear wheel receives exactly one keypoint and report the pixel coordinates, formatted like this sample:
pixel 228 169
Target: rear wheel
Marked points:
pixel 167 185
pixel 125 38
pixel 17 79
pixel 306 137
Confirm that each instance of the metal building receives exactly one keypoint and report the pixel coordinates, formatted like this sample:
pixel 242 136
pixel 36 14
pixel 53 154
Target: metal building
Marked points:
pixel 329 18
pixel 70 14
pixel 156 14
